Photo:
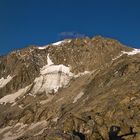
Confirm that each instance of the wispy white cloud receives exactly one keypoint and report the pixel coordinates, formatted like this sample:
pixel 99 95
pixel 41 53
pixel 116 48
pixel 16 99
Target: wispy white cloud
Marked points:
pixel 64 35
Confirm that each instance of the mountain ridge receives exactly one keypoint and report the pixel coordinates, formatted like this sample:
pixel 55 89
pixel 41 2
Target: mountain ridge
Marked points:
pixel 82 88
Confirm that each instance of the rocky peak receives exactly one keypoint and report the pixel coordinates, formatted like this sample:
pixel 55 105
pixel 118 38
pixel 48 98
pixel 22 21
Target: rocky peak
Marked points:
pixel 80 88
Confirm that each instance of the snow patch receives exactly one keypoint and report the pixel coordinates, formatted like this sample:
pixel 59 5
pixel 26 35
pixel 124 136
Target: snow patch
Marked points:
pixel 78 97
pixel 30 94
pixel 117 57
pixel 52 77
pixel 133 52
pixel 81 74
pixel 43 47
pixel 12 97
pixel 61 42
pixel 20 106
pixel 58 43
pixel 3 81
pixel 49 60
pixel 54 69
pixel 54 44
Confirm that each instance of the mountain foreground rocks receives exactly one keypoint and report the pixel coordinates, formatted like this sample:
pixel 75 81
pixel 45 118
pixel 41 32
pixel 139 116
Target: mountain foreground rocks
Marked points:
pixel 79 89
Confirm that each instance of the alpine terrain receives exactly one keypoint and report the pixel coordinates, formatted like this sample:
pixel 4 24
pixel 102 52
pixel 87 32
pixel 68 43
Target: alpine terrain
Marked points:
pixel 75 89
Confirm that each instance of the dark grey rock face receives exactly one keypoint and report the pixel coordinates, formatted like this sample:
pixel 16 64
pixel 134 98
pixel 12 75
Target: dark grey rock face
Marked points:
pixel 80 89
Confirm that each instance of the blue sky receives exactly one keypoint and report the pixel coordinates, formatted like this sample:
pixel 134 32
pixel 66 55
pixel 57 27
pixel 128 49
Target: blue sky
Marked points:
pixel 39 22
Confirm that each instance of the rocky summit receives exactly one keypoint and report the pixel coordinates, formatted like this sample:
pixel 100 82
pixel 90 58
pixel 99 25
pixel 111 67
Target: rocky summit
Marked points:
pixel 75 89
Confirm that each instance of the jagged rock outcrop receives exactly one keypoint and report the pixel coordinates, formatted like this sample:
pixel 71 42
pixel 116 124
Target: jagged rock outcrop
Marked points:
pixel 80 89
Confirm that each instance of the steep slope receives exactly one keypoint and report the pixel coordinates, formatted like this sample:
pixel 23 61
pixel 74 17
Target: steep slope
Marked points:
pixel 80 89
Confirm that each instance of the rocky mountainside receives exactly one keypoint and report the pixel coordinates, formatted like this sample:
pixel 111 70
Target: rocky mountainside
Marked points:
pixel 75 89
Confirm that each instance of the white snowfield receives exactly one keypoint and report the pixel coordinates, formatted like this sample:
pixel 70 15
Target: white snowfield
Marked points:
pixel 52 77
pixel 117 56
pixel 133 52
pixel 43 47
pixel 56 43
pixel 49 61
pixel 3 81
pixel 81 74
pixel 61 42
pixel 55 69
pixel 12 97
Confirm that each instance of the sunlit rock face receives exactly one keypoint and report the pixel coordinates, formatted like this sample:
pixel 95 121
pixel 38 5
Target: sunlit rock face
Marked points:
pixel 81 89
